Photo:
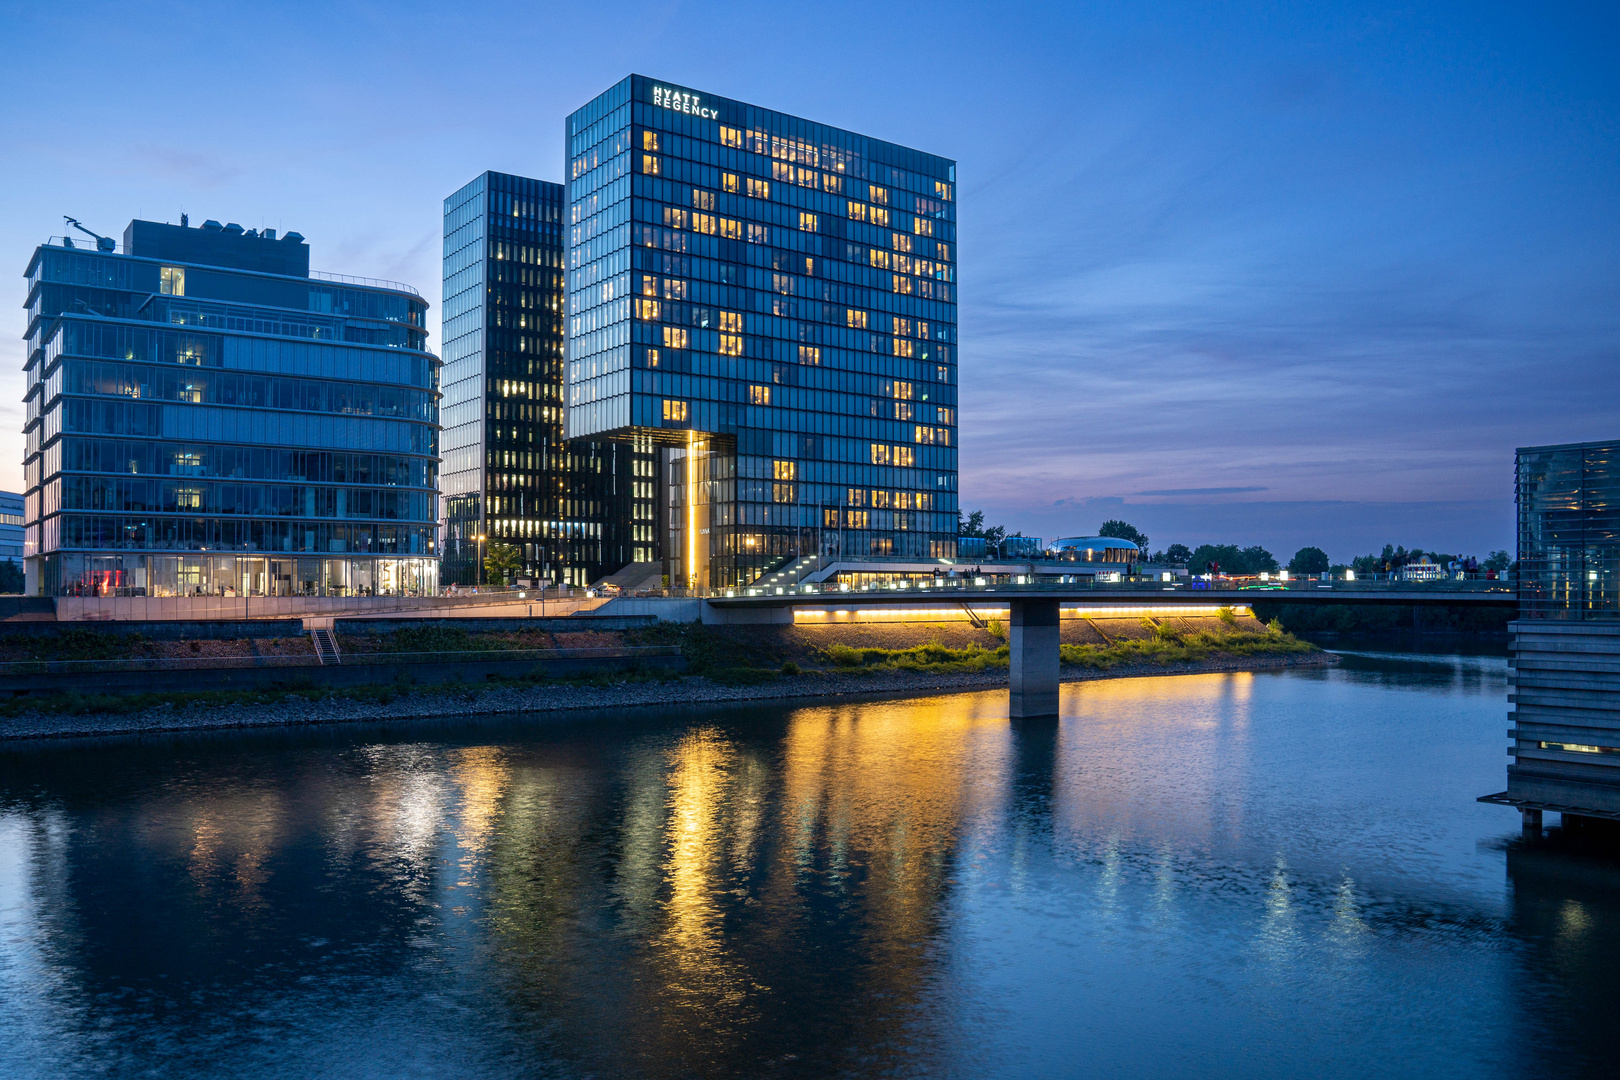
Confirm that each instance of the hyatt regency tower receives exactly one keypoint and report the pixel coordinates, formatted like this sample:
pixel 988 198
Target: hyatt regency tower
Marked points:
pixel 771 302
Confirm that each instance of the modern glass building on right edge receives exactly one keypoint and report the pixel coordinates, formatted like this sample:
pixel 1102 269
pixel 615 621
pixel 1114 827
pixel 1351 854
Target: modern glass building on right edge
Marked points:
pixel 773 302
pixel 1564 682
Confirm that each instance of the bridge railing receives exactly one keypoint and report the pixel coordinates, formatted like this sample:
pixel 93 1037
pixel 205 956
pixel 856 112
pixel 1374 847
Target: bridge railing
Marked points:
pixel 1195 590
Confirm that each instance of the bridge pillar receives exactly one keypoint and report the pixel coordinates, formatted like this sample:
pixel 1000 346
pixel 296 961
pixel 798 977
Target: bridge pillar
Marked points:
pixel 1032 646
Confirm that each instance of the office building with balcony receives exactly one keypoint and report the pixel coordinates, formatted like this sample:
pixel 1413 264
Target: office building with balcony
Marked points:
pixel 11 528
pixel 1564 680
pixel 575 510
pixel 772 303
pixel 206 416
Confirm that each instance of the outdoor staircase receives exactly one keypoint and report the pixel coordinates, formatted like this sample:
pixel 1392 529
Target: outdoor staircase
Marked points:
pixel 326 649
pixel 787 575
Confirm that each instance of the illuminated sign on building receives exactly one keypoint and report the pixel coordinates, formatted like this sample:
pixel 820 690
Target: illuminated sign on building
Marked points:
pixel 682 102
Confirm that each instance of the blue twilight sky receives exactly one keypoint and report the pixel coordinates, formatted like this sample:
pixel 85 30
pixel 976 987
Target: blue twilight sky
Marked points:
pixel 1283 274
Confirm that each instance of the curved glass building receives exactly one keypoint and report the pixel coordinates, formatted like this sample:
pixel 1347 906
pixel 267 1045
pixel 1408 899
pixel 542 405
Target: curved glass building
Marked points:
pixel 207 417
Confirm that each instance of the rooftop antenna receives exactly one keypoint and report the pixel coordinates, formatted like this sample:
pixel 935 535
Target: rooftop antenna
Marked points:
pixel 184 221
pixel 103 243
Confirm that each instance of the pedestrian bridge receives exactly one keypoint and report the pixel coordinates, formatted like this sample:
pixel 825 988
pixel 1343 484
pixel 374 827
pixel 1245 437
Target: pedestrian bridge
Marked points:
pixel 1033 610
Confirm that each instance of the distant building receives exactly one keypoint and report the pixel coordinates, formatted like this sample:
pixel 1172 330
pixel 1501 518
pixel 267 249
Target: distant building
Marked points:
pixel 576 511
pixel 11 528
pixel 1565 676
pixel 1423 570
pixel 207 416
pixel 1095 549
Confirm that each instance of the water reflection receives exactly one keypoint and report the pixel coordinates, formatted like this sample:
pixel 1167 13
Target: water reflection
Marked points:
pixel 1230 875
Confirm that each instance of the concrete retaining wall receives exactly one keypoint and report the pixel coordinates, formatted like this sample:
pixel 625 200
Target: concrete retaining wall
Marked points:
pixel 337 675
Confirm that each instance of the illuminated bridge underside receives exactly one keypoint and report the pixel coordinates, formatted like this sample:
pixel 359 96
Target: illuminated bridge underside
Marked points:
pixel 1034 615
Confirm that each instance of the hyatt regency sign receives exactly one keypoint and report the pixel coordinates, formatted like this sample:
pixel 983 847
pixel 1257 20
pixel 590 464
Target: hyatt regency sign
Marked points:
pixel 685 103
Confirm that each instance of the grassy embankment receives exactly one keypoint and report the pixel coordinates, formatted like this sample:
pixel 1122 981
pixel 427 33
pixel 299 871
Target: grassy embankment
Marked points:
pixel 1167 645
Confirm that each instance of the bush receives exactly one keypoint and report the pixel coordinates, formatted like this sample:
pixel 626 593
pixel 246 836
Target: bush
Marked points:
pixel 790 668
pixel 1227 616
pixel 996 630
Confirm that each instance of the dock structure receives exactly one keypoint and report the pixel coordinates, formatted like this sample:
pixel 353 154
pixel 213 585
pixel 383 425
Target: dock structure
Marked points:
pixel 1564 667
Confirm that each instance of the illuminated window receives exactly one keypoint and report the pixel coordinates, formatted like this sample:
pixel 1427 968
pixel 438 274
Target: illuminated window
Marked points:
pixel 879 194
pixel 731 345
pixel 902 285
pixel 784 284
pixel 675 217
pixel 902 242
pixel 880 216
pixel 730 136
pixel 652 357
pixel 731 230
pixel 649 285
pixel 172 281
pixel 902 263
pixel 807 221
pixel 880 500
pixel 785 470
pixel 924 435
pixel 759 189
pixel 904 410
pixel 188 498
pixel 703 223
pixel 882 545
pixel 856 497
pixel 902 326
pixel 858 519
pixel 857 319
pixel 905 456
pixel 649 164
pixel 731 321
pixel 702 200
pixel 759 395
pixel 729 182
pixel 810 354
pixel 676 411
pixel 943 190
pixel 945 415
pixel 922 226
pixel 758 234
pixel 857 211
pixel 674 289
pixel 942 373
pixel 647 310
pixel 832 183
pixel 902 347
pixel 649 140
pixel 1579 748
pixel 784 493
pixel 880 258
pixel 881 454
pixel 829 519
pixel 675 337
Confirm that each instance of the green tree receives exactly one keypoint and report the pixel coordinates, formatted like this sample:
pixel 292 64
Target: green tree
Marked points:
pixel 974 526
pixel 1309 560
pixel 1231 559
pixel 1498 561
pixel 501 561
pixel 1124 530
pixel 11 577
pixel 1178 553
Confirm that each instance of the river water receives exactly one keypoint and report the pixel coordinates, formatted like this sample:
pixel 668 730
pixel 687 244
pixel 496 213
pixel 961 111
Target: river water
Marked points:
pixel 1267 875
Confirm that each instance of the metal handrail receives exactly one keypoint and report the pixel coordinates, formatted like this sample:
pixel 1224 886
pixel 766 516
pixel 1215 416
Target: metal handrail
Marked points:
pixel 374 283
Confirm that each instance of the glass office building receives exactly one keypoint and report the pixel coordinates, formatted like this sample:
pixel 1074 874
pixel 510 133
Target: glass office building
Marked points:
pixel 1569 531
pixel 508 475
pixel 773 303
pixel 205 416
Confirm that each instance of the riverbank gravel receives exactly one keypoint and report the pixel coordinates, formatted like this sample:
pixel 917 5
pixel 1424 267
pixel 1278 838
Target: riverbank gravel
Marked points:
pixel 507 698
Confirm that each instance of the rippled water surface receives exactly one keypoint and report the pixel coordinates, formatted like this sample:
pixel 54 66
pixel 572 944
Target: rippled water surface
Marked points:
pixel 1280 874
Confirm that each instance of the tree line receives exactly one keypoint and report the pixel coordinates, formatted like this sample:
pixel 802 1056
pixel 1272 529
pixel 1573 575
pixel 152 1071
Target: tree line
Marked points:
pixel 1253 559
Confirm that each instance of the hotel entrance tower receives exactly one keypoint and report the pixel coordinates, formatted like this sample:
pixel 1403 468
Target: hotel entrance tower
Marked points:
pixel 772 302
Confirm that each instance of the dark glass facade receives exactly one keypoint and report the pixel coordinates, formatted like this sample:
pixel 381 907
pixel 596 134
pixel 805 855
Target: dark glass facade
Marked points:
pixel 773 302
pixel 1569 531
pixel 509 475
pixel 204 416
